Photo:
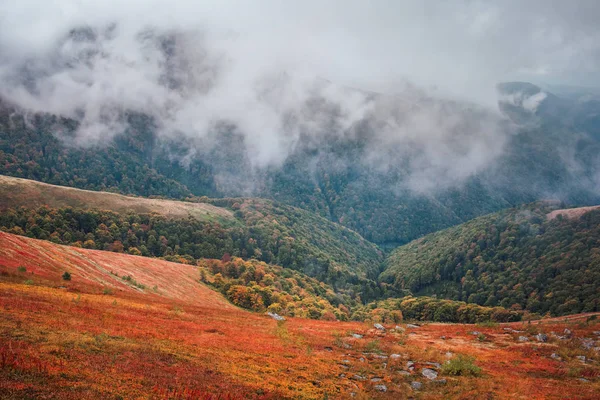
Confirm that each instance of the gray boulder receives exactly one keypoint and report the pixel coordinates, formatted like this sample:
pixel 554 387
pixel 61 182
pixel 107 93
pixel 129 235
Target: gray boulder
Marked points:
pixel 416 385
pixel 381 388
pixel 429 373
pixel 541 337
pixel 379 327
pixel 276 316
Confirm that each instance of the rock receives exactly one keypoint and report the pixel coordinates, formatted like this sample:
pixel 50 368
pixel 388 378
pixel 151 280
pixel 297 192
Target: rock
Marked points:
pixel 380 357
pixel 416 385
pixel 429 373
pixel 587 343
pixel 475 333
pixel 597 333
pixel 357 336
pixel 399 329
pixel 434 364
pixel 583 380
pixel 410 365
pixel 541 337
pixel 327 348
pixel 346 346
pixel 358 378
pixel 341 375
pixel 379 327
pixel 523 339
pixel 395 356
pixel 440 381
pixel 384 365
pixel 276 316
pixel 381 388
pixel 404 373
pixel 345 361
pixel 412 326
pixel 362 359
pixel 581 358
pixel 567 332
pixel 443 337
pixel 449 354
pixel 376 379
pixel 555 356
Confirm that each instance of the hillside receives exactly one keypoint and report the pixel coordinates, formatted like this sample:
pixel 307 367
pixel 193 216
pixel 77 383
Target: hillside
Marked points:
pixel 247 228
pixel 181 340
pixel 357 178
pixel 518 258
pixel 18 192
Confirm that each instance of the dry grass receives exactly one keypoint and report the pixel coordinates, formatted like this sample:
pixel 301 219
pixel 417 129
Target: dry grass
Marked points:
pixel 16 192
pixel 68 340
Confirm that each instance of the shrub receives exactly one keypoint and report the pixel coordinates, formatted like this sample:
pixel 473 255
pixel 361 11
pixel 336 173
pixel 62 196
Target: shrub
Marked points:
pixel 22 269
pixel 461 365
pixel 66 276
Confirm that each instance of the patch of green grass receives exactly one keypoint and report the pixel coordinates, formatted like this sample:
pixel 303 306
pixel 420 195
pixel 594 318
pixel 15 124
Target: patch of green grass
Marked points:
pixel 487 324
pixel 461 365
pixel 373 347
pixel 22 269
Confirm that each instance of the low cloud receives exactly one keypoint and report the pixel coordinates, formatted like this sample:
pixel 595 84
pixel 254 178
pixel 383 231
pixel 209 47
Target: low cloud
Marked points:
pixel 282 74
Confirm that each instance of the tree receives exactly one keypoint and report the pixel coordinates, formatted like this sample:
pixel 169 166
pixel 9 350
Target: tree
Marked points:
pixel 66 276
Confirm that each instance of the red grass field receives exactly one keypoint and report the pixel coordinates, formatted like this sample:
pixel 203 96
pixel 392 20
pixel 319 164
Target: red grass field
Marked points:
pixel 163 335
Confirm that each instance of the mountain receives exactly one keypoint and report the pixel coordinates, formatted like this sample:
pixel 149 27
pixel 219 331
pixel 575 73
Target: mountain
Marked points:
pixel 537 258
pixel 390 189
pixel 247 228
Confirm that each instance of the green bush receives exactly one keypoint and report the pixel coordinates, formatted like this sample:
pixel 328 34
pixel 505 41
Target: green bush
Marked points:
pixel 66 276
pixel 461 365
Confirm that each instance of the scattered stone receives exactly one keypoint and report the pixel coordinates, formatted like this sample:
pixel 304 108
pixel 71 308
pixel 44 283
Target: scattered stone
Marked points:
pixel 376 379
pixel 581 358
pixel 416 385
pixel 380 356
pixel 381 388
pixel 345 361
pixel 358 378
pixel 429 373
pixel 475 333
pixel 346 346
pixel 276 316
pixel 399 328
pixel 596 349
pixel 541 337
pixel 443 337
pixel 410 365
pixel 384 365
pixel 587 343
pixel 341 375
pixel 327 348
pixel 449 354
pixel 434 364
pixel 395 356
pixel 555 356
pixel 362 359
pixel 440 381
pixel 379 327
pixel 583 380
pixel 404 373
pixel 344 366
pixel 567 332
pixel 523 339
pixel 412 326
pixel 597 333
pixel 357 336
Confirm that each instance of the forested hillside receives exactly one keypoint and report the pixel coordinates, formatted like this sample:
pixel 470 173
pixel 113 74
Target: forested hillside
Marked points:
pixel 375 191
pixel 247 228
pixel 517 258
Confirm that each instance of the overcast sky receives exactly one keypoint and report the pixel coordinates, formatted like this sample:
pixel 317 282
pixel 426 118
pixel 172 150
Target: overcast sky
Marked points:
pixel 460 46
pixel 192 63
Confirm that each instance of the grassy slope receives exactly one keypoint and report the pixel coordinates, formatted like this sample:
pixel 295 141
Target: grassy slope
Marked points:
pixel 16 192
pixel 74 343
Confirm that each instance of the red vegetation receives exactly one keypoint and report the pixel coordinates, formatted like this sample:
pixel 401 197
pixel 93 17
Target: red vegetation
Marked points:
pixel 101 335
